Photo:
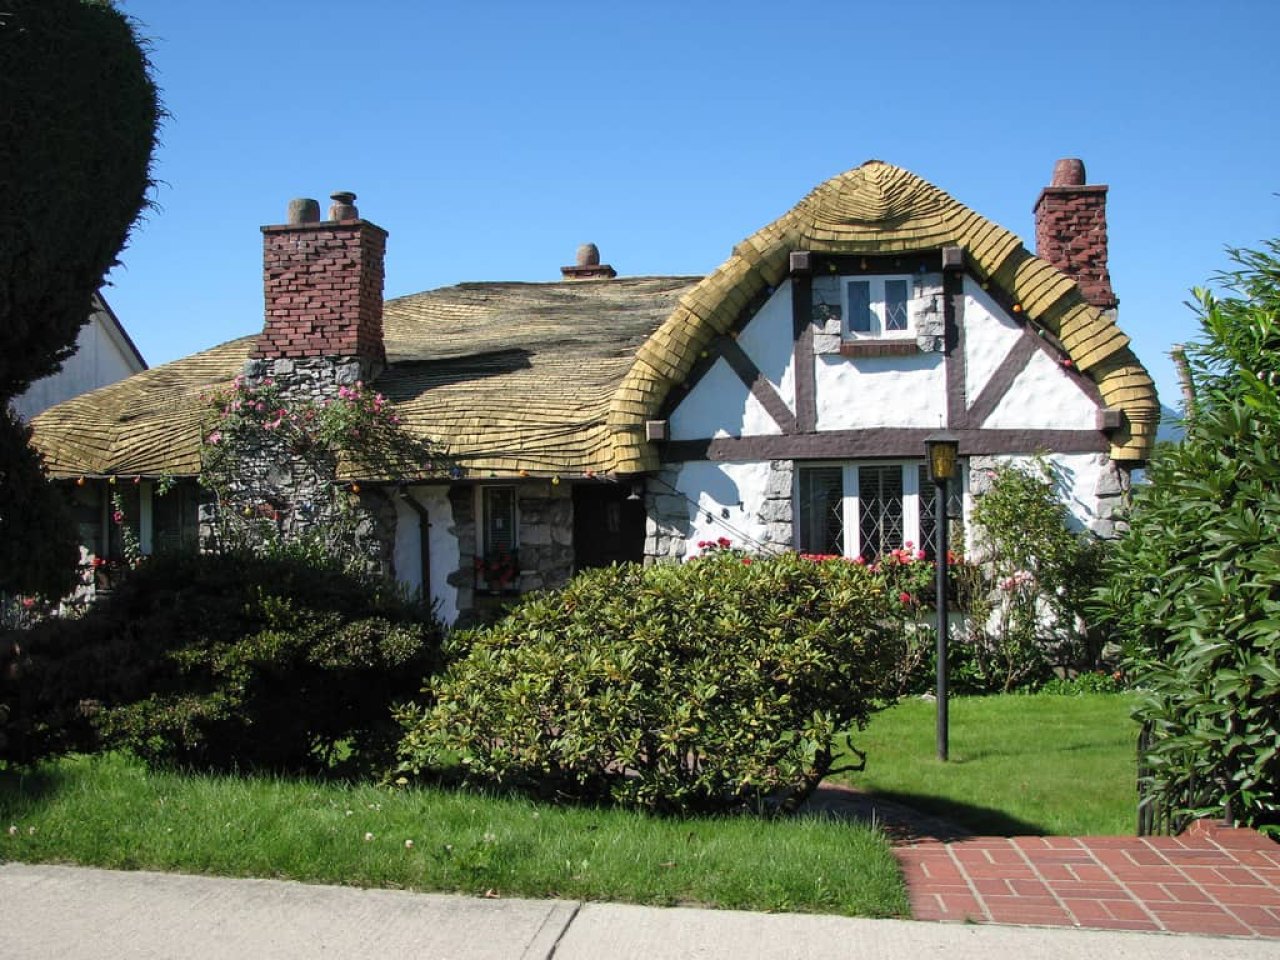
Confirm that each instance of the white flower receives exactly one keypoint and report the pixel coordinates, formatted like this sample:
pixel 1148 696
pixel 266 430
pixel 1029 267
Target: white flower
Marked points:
pixel 408 844
pixel 368 837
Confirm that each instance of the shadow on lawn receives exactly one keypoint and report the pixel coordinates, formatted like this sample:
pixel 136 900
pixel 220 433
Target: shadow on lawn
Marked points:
pixel 19 787
pixel 982 821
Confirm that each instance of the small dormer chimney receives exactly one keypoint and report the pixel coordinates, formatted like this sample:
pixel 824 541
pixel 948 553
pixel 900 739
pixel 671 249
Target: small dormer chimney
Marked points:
pixel 322 284
pixel 588 266
pixel 1071 231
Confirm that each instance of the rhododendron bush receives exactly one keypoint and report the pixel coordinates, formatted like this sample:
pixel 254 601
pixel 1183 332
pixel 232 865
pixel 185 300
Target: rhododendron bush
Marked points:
pixel 718 683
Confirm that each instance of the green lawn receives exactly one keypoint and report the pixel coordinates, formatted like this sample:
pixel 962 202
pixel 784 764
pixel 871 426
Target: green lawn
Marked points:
pixel 112 812
pixel 1018 764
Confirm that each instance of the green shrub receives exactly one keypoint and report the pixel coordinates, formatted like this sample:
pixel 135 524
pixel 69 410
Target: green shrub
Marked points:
pixel 1091 681
pixel 709 685
pixel 1195 586
pixel 221 662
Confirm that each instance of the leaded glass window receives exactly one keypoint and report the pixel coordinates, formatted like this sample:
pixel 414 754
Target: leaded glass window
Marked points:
pixel 880 509
pixel 821 524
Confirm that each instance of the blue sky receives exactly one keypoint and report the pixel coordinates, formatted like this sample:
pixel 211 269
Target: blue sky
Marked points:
pixel 491 138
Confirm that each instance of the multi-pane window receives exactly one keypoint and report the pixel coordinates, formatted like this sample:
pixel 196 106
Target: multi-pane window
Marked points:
pixel 877 306
pixel 497 566
pixel 881 505
pixel 867 509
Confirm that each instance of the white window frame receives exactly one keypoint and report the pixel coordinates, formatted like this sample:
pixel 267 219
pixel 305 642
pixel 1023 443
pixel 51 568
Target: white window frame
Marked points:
pixel 876 291
pixel 851 501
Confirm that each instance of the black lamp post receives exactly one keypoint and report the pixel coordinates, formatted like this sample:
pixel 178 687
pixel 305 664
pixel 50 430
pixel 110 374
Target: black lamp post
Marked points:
pixel 942 449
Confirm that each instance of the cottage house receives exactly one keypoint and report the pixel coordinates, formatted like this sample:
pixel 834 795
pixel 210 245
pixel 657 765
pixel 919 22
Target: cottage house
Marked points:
pixel 103 354
pixel 781 402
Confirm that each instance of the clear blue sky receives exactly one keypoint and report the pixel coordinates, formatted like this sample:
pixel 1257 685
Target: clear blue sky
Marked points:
pixel 491 138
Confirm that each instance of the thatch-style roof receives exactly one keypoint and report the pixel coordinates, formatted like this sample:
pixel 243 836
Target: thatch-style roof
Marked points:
pixel 878 208
pixel 510 376
pixel 559 378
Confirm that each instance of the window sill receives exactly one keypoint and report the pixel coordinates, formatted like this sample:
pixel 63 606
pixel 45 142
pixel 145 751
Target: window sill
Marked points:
pixel 897 347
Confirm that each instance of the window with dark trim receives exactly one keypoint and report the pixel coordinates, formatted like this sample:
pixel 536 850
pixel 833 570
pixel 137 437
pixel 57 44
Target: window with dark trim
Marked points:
pixel 497 566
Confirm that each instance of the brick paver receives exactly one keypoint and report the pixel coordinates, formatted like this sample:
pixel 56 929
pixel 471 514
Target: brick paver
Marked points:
pixel 1210 880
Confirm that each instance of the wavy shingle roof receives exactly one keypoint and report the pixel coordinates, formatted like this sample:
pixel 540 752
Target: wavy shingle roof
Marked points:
pixel 511 376
pixel 878 208
pixel 560 377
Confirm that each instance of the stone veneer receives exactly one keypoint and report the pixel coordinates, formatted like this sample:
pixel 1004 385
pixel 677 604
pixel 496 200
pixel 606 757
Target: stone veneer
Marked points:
pixel 296 490
pixel 544 515
pixel 667 523
pixel 777 508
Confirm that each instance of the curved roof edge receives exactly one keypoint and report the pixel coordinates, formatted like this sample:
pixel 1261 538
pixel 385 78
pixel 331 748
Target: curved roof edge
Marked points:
pixel 880 208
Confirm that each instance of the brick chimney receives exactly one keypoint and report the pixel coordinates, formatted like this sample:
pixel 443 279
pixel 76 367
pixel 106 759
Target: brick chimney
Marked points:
pixel 322 282
pixel 1071 231
pixel 588 266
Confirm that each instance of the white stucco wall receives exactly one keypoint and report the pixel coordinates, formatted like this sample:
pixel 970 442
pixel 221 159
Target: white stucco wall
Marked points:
pixel 989 335
pixel 906 391
pixel 769 341
pixel 731 495
pixel 443 548
pixel 1044 396
pixel 101 358
pixel 720 405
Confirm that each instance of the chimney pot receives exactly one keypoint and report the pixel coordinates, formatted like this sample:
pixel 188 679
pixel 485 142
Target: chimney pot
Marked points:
pixel 303 210
pixel 588 266
pixel 343 206
pixel 1068 172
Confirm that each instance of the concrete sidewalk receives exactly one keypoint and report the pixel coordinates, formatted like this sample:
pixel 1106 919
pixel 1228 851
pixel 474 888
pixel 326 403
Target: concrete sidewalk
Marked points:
pixel 73 913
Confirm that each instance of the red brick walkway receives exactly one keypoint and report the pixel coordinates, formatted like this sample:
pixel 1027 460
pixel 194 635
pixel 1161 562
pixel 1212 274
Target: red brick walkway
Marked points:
pixel 1210 880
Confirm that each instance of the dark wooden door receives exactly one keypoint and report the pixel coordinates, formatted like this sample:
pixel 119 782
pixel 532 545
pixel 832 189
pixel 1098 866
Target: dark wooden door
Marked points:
pixel 607 527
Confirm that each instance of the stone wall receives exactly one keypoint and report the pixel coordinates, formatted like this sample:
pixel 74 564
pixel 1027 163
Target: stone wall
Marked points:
pixel 544 513
pixel 777 508
pixel 292 492
pixel 667 524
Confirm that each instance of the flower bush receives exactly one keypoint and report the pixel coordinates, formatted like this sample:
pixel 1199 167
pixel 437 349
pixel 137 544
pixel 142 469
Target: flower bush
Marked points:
pixel 257 428
pixel 1029 592
pixel 713 684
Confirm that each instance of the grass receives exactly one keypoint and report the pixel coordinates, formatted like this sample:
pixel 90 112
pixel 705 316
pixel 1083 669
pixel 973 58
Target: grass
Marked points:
pixel 111 811
pixel 1018 764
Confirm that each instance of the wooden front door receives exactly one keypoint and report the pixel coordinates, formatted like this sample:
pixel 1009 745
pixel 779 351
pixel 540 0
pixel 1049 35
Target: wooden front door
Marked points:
pixel 607 527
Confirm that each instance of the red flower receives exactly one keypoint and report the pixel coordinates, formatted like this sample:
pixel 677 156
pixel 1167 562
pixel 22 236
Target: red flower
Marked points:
pixel 904 597
pixel 118 516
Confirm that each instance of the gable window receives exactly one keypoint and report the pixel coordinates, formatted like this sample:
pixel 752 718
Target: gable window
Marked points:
pixel 497 566
pixel 877 307
pixel 866 509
